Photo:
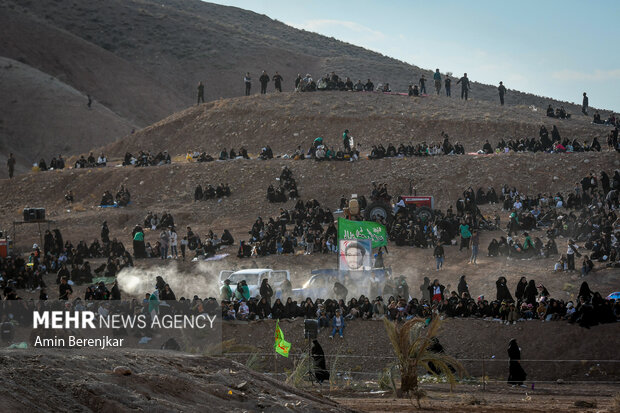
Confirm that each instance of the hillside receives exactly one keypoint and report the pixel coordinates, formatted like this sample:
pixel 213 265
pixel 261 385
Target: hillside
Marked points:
pixel 142 59
pixel 287 120
pixel 34 95
pixel 179 42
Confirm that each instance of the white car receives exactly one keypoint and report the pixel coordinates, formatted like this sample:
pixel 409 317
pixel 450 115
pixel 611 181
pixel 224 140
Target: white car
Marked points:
pixel 254 277
pixel 318 286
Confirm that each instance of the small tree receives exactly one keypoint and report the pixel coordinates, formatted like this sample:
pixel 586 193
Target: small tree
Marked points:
pixel 410 342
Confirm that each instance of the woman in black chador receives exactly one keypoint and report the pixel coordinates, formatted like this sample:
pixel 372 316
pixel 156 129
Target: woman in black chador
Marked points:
pixel 516 374
pixel 318 359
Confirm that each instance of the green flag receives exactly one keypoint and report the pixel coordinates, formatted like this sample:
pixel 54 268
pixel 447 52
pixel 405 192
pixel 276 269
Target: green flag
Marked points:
pixel 363 230
pixel 281 346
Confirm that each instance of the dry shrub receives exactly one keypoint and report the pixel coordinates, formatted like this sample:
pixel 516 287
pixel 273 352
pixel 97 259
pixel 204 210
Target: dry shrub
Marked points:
pixel 411 342
pixel 615 403
pixel 473 400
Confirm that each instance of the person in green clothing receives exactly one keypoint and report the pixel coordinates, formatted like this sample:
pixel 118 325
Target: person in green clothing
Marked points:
pixel 226 293
pixel 528 245
pixel 465 235
pixel 243 291
pixel 153 304
pixel 437 78
pixel 513 225
pixel 138 243
pixel 346 141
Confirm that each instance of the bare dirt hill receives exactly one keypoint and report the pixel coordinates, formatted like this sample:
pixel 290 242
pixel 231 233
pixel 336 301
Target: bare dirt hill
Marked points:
pixel 33 95
pixel 161 381
pixel 180 41
pixel 143 59
pixel 287 120
pixel 112 81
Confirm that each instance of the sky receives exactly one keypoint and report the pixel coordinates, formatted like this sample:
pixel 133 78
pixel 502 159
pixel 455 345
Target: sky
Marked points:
pixel 553 48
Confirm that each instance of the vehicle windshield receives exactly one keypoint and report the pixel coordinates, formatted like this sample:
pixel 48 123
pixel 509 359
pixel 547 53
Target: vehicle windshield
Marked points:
pixel 278 277
pixel 318 282
pixel 250 279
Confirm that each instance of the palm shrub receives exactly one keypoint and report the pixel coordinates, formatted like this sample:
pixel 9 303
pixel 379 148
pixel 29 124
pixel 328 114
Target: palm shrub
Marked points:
pixel 411 341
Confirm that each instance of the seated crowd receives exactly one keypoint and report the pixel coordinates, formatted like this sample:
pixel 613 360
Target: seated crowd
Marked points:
pixel 334 82
pixel 586 215
pixel 393 301
pixel 122 198
pixel 197 156
pixel 307 221
pixel 421 149
pixel 286 190
pixel 612 120
pixel 62 258
pixel 91 162
pixel 208 192
pixel 145 158
pixel 55 163
pixel 559 113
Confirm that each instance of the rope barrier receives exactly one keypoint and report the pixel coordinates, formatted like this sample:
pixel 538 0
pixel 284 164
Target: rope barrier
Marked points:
pixel 458 359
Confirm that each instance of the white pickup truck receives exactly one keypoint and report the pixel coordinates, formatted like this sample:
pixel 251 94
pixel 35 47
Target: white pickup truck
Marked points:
pixel 254 277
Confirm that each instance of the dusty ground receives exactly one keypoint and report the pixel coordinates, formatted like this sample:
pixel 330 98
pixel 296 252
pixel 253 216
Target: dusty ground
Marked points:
pixel 160 382
pixel 495 399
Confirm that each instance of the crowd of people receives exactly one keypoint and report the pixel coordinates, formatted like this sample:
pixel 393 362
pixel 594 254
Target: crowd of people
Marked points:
pixel 208 192
pixel 276 236
pixel 55 163
pixel 559 113
pixel 550 144
pixel 394 300
pixel 587 215
pixel 612 120
pixel 91 162
pixel 69 262
pixel 146 158
pixel 421 149
pixel 122 198
pixel 286 190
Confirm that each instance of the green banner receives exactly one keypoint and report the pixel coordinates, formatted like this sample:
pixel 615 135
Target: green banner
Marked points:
pixel 281 346
pixel 363 230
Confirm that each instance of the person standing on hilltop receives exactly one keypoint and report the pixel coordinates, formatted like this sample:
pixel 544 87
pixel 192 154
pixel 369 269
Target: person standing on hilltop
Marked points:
pixel 248 83
pixel 297 80
pixel 346 141
pixel 464 81
pixel 584 106
pixel 437 78
pixel 422 84
pixel 201 93
pixel 447 83
pixel 90 101
pixel 277 79
pixel 263 79
pixel 502 91
pixel 11 164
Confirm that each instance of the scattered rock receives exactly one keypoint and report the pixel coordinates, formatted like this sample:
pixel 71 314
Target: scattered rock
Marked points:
pixel 585 404
pixel 122 371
